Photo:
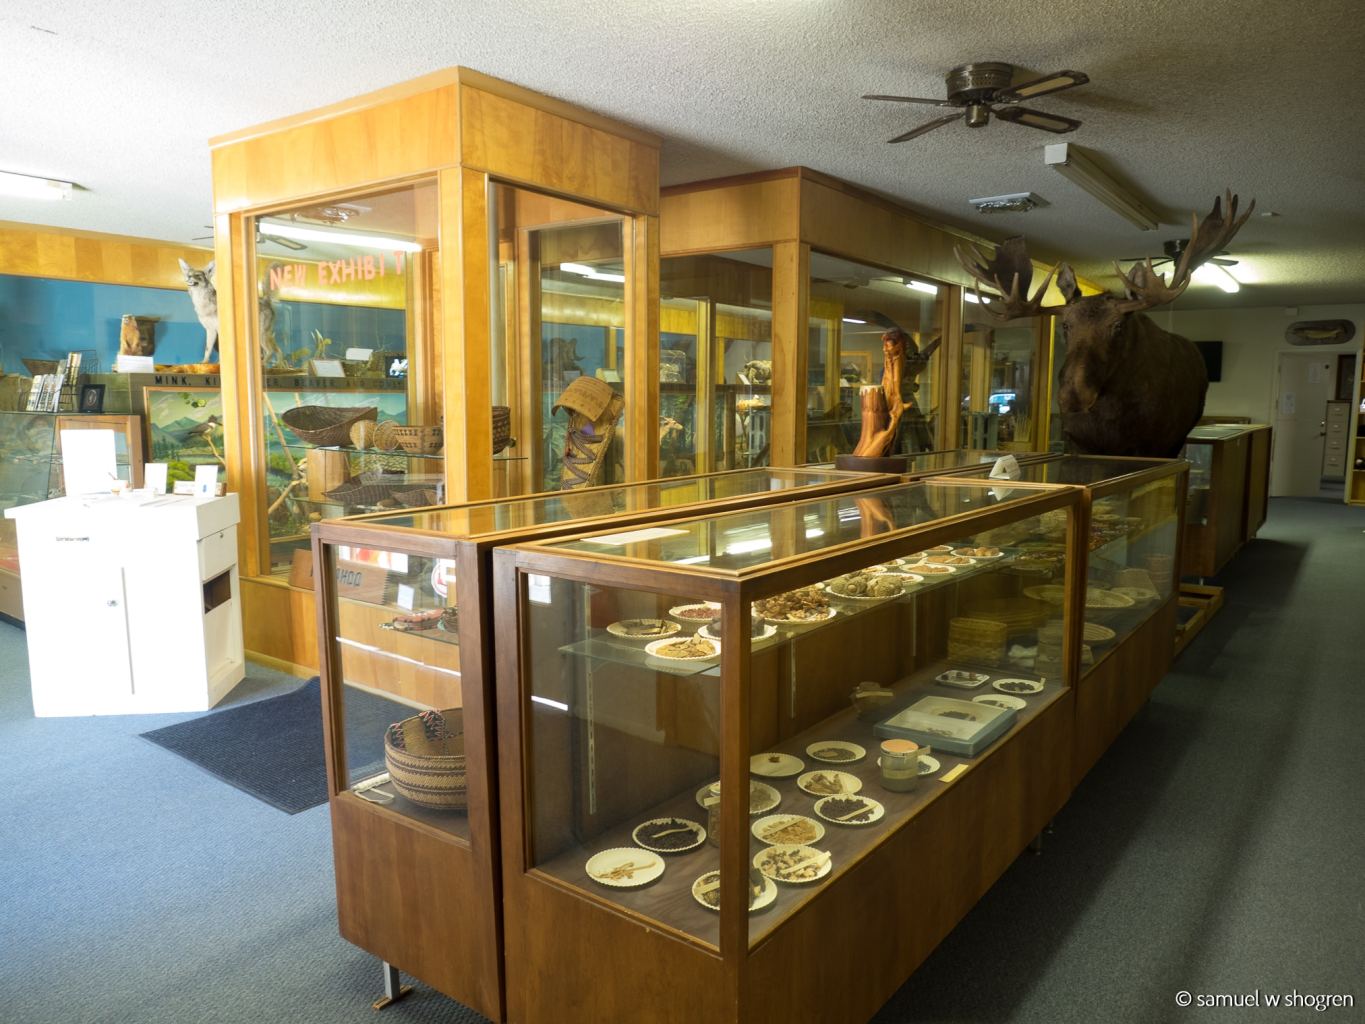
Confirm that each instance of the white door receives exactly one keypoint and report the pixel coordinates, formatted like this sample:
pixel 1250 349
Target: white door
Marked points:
pixel 1305 382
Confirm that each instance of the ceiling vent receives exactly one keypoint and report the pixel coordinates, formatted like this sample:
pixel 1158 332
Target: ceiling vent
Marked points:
pixel 1015 202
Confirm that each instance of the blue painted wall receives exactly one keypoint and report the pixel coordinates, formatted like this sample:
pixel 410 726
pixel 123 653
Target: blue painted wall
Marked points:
pixel 45 319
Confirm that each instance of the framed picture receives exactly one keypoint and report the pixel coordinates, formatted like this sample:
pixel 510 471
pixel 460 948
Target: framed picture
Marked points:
pixel 855 362
pixel 92 398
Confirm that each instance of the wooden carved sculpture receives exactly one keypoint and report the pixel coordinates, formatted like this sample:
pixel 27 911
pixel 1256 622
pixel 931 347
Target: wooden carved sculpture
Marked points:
pixel 1127 386
pixel 882 406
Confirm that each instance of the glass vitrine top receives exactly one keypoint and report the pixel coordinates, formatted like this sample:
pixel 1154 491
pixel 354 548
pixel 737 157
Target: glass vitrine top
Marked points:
pixel 745 541
pixel 1219 431
pixel 1088 471
pixel 475 520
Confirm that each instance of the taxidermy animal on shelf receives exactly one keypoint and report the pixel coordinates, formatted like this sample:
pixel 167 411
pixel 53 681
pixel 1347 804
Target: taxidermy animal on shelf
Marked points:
pixel 133 339
pixel 1127 386
pixel 204 296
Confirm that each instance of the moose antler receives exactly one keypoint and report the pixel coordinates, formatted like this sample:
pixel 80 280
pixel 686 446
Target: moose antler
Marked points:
pixel 1146 288
pixel 1010 263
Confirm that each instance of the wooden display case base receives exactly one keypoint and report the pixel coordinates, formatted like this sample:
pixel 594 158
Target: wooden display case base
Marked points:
pixel 1201 602
pixel 1114 691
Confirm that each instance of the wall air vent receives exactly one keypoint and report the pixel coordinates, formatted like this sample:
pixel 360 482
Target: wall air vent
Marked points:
pixel 1015 202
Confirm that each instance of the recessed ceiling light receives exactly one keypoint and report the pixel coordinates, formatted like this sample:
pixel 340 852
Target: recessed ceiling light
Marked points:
pixel 1013 202
pixel 28 186
pixel 922 286
pixel 850 320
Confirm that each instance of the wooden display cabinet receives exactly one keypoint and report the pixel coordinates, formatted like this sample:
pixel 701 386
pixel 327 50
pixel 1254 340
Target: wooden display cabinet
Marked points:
pixel 1132 515
pixel 419 887
pixel 385 233
pixel 597 736
pixel 1228 493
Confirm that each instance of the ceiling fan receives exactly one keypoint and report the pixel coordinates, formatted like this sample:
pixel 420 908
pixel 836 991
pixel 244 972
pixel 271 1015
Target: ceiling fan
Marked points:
pixel 261 239
pixel 975 88
pixel 1173 247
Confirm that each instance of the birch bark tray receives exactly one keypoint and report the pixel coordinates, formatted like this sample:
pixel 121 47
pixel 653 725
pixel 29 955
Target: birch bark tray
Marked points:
pixel 624 867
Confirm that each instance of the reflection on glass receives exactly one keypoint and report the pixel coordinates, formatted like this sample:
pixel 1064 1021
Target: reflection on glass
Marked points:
pixel 558 323
pixel 624 726
pixel 346 289
pixel 998 377
pixel 851 307
pixel 715 362
pixel 402 708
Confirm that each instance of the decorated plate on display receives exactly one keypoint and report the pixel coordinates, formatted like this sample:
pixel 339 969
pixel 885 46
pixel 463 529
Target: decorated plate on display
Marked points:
pixel 695 615
pixel 644 630
pixel 761 631
pixel 866 586
pixel 836 752
pixel 1001 700
pixel 1096 635
pixel 668 835
pixel 775 765
pixel 690 648
pixel 979 553
pixel 706 891
pixel 850 810
pixel 961 678
pixel 624 867
pixel 933 569
pixel 795 865
pixel 1018 686
pixel 947 559
pixel 814 619
pixel 805 606
pixel 787 830
pixel 1051 593
pixel 762 797
pixel 829 783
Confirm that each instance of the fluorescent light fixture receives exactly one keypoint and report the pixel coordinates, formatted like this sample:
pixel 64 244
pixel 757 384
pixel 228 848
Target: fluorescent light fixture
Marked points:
pixel 558 705
pixel 850 320
pixel 355 239
pixel 595 276
pixel 1212 273
pixel 971 297
pixel 922 286
pixel 28 186
pixel 814 533
pixel 1072 162
pixel 577 268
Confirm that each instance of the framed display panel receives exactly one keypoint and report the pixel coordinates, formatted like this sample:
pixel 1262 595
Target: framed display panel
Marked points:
pixel 128 445
pixel 1133 515
pixel 406 630
pixel 1004 381
pixel 30 471
pixel 610 744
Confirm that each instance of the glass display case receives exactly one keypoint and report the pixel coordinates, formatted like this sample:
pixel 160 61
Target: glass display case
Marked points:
pixel 1133 514
pixel 851 306
pixel 1229 488
pixel 406 641
pixel 1004 376
pixel 849 669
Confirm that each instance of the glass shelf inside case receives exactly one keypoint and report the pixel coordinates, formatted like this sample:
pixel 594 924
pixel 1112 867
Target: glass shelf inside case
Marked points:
pixel 907 615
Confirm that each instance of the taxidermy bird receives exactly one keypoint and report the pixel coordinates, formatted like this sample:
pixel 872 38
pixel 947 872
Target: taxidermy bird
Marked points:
pixel 132 341
pixel 204 296
pixel 204 429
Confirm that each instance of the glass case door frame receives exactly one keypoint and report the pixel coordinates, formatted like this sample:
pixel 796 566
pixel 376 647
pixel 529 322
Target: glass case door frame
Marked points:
pixel 735 592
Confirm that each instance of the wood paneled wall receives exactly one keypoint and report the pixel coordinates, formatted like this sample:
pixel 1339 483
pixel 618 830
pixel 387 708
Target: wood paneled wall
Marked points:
pixel 32 250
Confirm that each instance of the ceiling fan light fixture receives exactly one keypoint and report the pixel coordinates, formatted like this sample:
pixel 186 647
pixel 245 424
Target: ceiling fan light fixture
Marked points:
pixel 1073 163
pixel 30 186
pixel 1212 273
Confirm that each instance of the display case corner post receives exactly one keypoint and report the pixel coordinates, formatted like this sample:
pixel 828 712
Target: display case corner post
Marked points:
pixel 1073 616
pixel 329 669
pixel 642 320
pixel 734 772
pixel 790 349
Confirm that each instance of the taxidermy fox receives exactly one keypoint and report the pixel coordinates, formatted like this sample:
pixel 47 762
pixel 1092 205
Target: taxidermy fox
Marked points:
pixel 204 295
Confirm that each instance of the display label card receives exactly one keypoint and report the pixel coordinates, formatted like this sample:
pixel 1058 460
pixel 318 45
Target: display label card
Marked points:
pixel 405 596
pixel 360 354
pixel 206 480
pixel 1006 468
pixel 89 464
pixel 361 582
pixel 135 364
pixel 953 773
pixel 327 368
pixel 154 476
pixel 617 540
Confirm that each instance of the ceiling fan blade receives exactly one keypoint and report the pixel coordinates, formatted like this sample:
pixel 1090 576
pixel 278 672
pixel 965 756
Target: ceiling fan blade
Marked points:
pixel 288 243
pixel 928 126
pixel 1037 119
pixel 1055 82
pixel 909 99
pixel 1221 262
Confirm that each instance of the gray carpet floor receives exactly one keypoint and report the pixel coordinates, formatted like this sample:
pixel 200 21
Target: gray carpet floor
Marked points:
pixel 1219 847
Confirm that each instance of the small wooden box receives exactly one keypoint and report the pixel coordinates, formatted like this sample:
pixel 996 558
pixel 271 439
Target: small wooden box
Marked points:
pixel 326 472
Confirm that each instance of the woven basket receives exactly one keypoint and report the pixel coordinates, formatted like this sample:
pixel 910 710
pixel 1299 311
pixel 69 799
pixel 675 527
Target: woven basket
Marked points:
pixel 362 434
pixel 1018 614
pixel 977 640
pixel 386 436
pixel 326 425
pixel 425 758
pixel 418 440
pixel 422 497
pixel 369 488
pixel 502 428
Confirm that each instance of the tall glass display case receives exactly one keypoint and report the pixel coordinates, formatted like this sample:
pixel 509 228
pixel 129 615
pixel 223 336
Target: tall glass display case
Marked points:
pixel 1133 514
pixel 406 642
pixel 774 801
pixel 1229 486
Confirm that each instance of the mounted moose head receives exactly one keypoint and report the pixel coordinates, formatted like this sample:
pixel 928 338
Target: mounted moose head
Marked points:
pixel 1127 386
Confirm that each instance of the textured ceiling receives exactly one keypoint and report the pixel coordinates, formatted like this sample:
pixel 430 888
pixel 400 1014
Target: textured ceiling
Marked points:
pixel 1185 99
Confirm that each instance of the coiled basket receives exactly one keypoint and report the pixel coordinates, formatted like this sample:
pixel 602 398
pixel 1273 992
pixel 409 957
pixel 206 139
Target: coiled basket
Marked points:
pixel 425 758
